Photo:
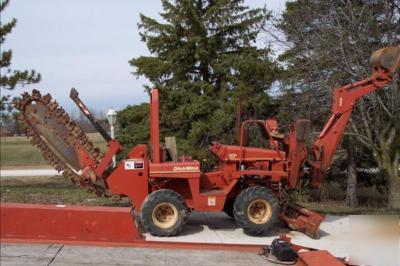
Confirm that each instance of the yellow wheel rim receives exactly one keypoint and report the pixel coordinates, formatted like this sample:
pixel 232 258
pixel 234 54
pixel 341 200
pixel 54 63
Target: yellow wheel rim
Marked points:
pixel 165 215
pixel 259 211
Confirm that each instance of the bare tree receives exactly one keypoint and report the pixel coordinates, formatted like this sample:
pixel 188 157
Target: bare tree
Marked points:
pixel 329 44
pixel 80 119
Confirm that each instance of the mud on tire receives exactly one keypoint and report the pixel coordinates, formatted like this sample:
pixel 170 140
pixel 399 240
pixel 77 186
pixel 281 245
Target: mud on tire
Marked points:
pixel 164 213
pixel 256 210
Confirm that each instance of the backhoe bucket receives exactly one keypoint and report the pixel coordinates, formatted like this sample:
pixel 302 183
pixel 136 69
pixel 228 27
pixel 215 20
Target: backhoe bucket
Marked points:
pixel 301 219
pixel 387 58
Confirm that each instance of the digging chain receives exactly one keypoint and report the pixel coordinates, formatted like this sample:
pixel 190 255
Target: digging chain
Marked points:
pixel 75 136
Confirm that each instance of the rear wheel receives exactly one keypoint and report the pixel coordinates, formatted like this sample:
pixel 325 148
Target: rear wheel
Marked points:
pixel 256 210
pixel 164 213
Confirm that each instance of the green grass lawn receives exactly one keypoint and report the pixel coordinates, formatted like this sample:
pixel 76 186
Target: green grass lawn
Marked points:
pixel 50 190
pixel 17 151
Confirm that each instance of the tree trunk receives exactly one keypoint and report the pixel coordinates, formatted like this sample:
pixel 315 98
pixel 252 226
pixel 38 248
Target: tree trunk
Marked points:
pixel 392 171
pixel 394 192
pixel 351 191
pixel 389 162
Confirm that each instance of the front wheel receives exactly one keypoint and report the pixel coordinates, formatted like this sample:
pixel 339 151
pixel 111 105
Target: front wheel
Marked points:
pixel 164 213
pixel 256 210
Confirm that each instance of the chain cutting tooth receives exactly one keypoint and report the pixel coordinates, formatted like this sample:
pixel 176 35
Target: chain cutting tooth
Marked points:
pixel 36 95
pixel 85 139
pixel 65 118
pixel 70 175
pixel 69 126
pixel 17 105
pixel 58 113
pixel 89 145
pixel 21 118
pixel 59 168
pixel 52 106
pixel 47 98
pixel 25 97
pixel 30 132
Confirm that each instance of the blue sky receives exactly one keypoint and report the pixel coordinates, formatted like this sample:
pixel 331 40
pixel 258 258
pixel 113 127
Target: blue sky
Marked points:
pixel 86 45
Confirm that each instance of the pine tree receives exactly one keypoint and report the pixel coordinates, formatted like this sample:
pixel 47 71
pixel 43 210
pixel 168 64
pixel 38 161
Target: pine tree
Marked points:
pixel 9 78
pixel 204 56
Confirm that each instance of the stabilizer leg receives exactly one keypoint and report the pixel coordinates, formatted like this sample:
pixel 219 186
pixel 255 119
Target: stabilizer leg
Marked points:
pixel 300 219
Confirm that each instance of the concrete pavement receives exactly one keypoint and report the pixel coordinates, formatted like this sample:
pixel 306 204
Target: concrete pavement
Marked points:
pixel 28 172
pixel 38 254
pixel 219 228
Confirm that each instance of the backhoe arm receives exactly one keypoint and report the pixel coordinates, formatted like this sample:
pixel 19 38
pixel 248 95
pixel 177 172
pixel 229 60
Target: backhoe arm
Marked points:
pixel 385 65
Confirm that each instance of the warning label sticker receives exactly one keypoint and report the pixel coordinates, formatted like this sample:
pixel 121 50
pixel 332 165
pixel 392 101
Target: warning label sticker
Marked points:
pixel 134 164
pixel 212 201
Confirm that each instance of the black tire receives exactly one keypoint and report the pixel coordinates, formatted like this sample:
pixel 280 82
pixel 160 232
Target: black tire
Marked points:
pixel 228 208
pixel 157 210
pixel 138 222
pixel 250 199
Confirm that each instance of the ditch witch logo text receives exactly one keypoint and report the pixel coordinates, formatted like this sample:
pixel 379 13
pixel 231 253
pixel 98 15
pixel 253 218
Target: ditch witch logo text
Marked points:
pixel 186 168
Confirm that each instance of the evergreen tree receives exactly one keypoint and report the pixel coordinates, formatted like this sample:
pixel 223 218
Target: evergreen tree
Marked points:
pixel 9 78
pixel 204 56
